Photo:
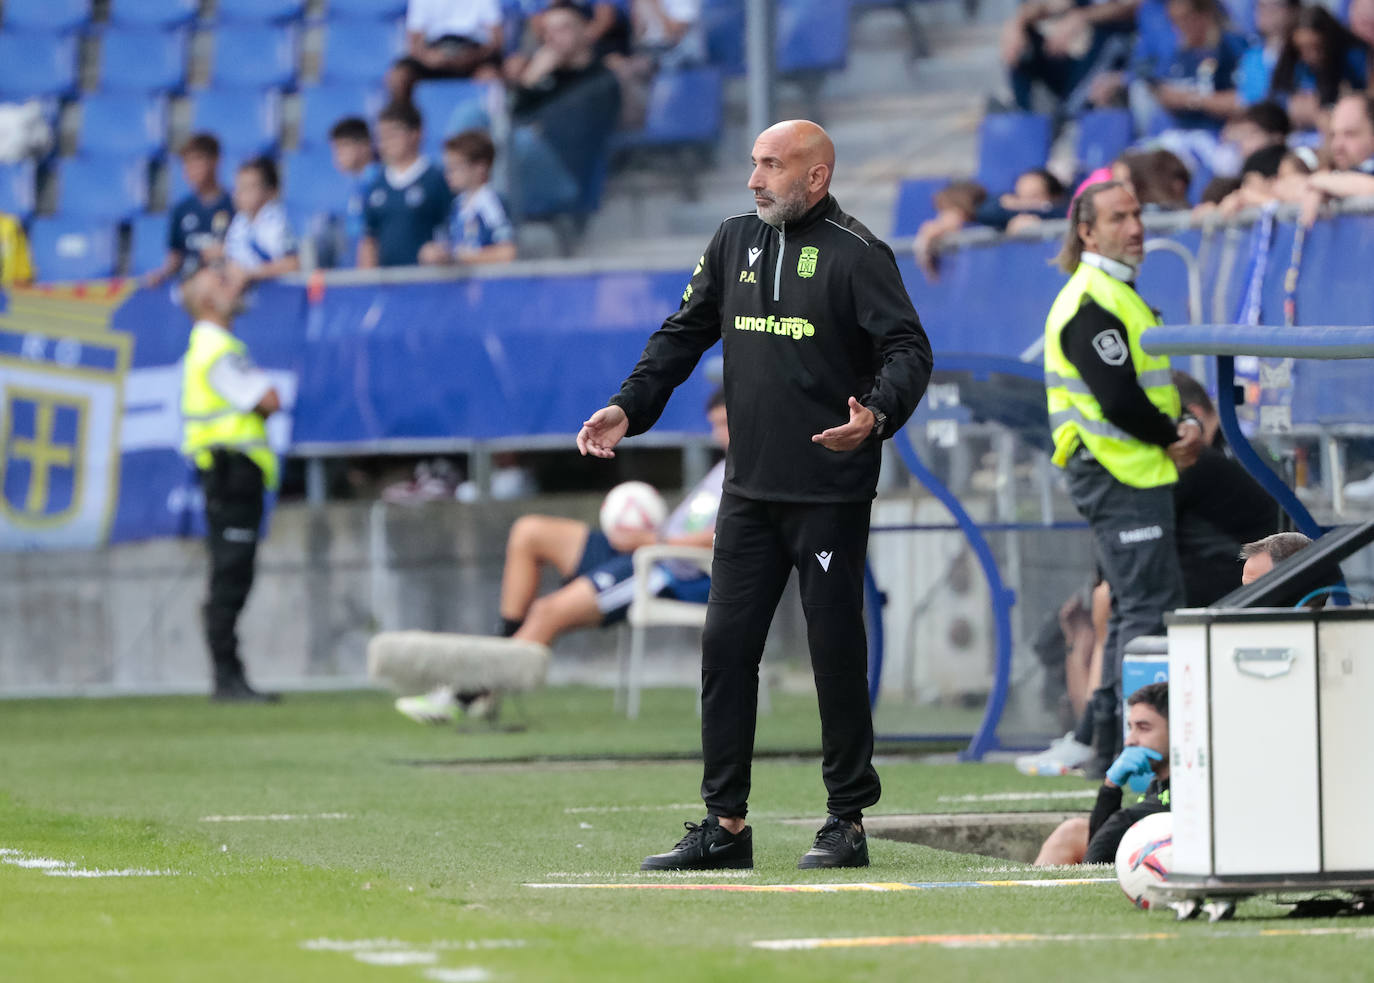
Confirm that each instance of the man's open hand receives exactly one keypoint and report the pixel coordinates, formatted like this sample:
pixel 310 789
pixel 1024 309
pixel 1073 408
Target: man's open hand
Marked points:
pixel 851 434
pixel 602 431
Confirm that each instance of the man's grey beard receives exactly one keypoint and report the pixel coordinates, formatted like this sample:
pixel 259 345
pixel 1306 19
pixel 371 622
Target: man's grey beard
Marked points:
pixel 784 210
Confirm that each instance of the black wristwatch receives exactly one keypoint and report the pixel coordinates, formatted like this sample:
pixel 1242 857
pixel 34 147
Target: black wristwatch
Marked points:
pixel 879 423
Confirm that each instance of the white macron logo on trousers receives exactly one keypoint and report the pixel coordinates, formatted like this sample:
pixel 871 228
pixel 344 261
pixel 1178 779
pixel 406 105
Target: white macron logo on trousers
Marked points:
pixel 823 558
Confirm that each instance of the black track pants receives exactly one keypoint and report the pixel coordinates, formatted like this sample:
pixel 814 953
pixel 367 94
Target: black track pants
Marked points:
pixel 233 514
pixel 757 546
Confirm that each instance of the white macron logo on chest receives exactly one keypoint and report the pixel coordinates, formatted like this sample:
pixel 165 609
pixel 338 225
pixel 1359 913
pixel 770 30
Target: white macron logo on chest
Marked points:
pixel 754 253
pixel 823 558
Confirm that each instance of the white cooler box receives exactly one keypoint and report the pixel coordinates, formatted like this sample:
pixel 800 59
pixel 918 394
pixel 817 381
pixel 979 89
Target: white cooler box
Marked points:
pixel 1272 774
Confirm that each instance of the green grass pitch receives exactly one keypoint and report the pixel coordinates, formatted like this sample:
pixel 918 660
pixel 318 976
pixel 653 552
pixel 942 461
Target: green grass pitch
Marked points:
pixel 411 861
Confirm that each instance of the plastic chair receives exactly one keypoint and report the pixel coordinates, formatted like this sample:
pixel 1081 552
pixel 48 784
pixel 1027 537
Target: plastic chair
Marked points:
pixel 437 101
pixel 254 55
pixel 648 611
pixel 153 13
pixel 684 108
pixel 723 22
pixel 48 16
pixel 143 59
pixel 312 185
pixel 17 188
pixel 69 248
pixel 148 242
pixel 123 124
pixel 36 65
pixel 1103 134
pixel 360 50
pixel 1009 144
pixel 914 204
pixel 364 9
pixel 324 105
pixel 812 36
pixel 260 11
pixel 245 120
pixel 102 188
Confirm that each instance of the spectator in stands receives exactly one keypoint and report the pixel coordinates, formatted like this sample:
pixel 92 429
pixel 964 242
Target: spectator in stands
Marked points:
pixel 1352 157
pixel 608 26
pixel 1359 17
pixel 409 201
pixel 448 39
pixel 955 206
pixel 1159 179
pixel 1036 195
pixel 1264 124
pixel 1062 45
pixel 1257 177
pixel 1217 504
pixel 568 104
pixel 1274 22
pixel 1321 62
pixel 202 218
pixel 259 244
pixel 350 142
pixel 479 230
pixel 669 31
pixel 1143 766
pixel 597 571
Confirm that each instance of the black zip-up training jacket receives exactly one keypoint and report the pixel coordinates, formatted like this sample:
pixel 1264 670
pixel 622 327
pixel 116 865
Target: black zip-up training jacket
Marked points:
pixel 810 314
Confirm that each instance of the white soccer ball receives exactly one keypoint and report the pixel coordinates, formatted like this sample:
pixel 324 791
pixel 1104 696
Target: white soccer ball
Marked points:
pixel 632 506
pixel 1144 858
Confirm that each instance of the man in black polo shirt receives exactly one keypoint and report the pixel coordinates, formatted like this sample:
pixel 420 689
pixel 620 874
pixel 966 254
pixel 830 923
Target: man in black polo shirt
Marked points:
pixel 824 359
pixel 408 203
pixel 201 219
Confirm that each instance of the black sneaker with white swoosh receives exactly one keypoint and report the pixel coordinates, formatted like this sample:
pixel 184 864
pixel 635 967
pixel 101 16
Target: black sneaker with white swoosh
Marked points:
pixel 838 844
pixel 707 846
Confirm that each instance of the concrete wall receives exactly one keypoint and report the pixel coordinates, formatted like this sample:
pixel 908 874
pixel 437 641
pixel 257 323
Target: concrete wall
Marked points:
pixel 126 619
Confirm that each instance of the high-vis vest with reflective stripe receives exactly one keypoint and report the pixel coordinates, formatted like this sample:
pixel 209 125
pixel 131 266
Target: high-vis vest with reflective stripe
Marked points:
pixel 1075 414
pixel 208 419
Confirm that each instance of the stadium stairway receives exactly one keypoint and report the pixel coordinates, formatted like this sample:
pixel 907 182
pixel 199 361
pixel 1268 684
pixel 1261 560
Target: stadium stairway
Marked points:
pixel 891 117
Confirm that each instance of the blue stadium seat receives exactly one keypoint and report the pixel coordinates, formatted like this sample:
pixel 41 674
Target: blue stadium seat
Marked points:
pixel 812 35
pixel 245 120
pixel 148 245
pixel 143 59
pixel 438 99
pixel 102 188
pixel 684 108
pixel 1008 145
pixel 17 188
pixel 360 50
pixel 51 16
pixel 723 22
pixel 364 9
pixel 312 185
pixel 36 65
pixel 324 105
pixel 259 11
pixel 253 54
pixel 153 13
pixel 1103 134
pixel 915 204
pixel 124 124
pixel 71 248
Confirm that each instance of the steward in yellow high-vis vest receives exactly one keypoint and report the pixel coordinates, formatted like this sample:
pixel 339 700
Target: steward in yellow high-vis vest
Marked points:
pixel 225 402
pixel 1114 413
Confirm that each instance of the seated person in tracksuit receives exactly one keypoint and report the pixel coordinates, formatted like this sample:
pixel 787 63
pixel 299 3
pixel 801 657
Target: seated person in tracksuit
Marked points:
pixel 1143 766
pixel 598 574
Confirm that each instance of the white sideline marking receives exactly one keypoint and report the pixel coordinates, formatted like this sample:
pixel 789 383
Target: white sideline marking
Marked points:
pixel 275 817
pixel 653 874
pixel 1019 796
pixel 397 957
pixel 467 974
pixel 364 945
pixel 877 886
pixel 996 940
pixel 128 872
pixel 37 863
pixel 671 807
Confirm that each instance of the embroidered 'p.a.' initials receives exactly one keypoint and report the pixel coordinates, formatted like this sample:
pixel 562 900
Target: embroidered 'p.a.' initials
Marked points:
pixel 747 276
pixel 823 558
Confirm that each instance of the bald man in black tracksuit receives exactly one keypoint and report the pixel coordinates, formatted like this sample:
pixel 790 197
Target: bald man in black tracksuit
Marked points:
pixel 817 327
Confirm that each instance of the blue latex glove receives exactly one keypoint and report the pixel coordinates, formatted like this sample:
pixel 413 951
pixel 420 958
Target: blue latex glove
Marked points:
pixel 1134 769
